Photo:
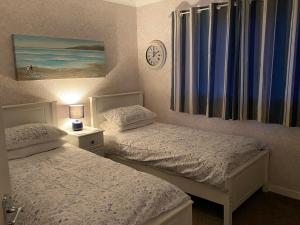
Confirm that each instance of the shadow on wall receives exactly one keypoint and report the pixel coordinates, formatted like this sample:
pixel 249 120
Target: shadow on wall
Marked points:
pixel 11 92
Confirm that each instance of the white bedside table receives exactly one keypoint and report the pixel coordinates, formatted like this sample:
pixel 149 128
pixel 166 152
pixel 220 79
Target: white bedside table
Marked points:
pixel 90 139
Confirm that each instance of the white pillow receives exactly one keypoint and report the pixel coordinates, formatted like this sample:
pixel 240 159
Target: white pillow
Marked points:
pixel 125 116
pixel 34 149
pixel 31 134
pixel 107 126
pixel 138 124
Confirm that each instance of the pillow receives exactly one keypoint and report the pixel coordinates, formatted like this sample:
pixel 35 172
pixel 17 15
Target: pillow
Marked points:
pixel 125 116
pixel 34 149
pixel 31 134
pixel 107 126
pixel 138 124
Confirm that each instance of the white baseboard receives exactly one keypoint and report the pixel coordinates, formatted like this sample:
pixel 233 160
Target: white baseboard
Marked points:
pixel 285 191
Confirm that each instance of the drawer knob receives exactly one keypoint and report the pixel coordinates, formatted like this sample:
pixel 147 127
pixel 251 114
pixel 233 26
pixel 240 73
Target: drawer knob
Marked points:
pixel 92 142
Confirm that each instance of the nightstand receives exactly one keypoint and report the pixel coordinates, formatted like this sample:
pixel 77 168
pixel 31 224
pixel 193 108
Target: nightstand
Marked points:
pixel 90 139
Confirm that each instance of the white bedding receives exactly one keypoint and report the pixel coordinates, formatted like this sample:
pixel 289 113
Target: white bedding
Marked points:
pixel 202 156
pixel 70 186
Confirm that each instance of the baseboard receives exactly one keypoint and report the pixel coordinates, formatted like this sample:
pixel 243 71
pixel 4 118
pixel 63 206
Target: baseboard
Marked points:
pixel 285 191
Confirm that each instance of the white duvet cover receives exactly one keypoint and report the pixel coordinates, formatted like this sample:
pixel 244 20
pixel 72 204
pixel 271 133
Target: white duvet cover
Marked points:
pixel 71 186
pixel 202 156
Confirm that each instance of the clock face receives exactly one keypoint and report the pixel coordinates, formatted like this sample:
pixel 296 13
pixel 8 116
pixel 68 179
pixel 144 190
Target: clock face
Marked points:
pixel 156 54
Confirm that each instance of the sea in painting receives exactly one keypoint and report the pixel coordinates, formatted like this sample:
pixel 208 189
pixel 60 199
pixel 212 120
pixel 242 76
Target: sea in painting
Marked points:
pixel 39 58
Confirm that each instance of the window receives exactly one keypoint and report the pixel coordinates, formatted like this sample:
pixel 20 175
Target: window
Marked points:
pixel 237 60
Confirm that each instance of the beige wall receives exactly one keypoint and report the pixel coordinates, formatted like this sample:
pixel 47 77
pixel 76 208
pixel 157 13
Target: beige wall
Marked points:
pixel 153 22
pixel 92 20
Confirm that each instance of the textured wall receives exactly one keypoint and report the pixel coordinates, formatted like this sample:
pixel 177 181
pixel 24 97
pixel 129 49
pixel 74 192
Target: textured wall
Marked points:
pixel 92 20
pixel 285 142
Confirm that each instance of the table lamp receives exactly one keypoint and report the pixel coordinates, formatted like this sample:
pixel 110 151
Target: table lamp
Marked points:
pixel 76 112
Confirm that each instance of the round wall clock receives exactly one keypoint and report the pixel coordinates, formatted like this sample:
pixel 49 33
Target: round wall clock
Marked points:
pixel 156 54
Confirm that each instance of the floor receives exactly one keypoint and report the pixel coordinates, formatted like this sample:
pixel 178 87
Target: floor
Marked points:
pixel 260 209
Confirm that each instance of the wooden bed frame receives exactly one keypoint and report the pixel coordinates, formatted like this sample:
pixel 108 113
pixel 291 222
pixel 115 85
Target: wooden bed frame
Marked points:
pixel 46 112
pixel 241 184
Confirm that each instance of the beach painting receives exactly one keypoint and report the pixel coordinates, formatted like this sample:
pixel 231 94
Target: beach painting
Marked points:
pixel 40 58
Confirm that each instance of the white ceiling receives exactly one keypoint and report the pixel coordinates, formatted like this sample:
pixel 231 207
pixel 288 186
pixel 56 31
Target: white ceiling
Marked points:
pixel 134 3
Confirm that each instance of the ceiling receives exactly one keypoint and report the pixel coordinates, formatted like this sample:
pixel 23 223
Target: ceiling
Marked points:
pixel 134 3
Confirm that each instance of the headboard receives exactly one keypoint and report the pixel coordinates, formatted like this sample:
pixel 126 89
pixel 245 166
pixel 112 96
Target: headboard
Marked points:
pixel 100 104
pixel 41 112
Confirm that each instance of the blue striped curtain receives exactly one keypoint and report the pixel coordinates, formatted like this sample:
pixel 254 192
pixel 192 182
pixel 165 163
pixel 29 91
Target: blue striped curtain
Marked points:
pixel 237 60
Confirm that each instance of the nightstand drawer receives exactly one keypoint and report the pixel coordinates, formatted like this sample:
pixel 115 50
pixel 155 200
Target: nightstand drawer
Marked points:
pixel 91 140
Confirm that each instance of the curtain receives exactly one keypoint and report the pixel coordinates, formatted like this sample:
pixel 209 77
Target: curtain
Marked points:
pixel 237 60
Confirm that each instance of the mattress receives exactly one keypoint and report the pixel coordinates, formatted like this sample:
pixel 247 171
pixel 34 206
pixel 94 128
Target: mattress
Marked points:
pixel 71 186
pixel 203 156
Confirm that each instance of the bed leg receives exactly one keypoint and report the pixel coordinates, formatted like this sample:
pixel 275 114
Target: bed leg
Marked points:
pixel 227 214
pixel 265 188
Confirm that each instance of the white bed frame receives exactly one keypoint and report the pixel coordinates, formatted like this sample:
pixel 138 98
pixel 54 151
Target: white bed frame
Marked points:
pixel 46 112
pixel 40 112
pixel 241 184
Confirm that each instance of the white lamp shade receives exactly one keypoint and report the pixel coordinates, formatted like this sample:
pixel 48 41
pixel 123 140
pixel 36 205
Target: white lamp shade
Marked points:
pixel 76 111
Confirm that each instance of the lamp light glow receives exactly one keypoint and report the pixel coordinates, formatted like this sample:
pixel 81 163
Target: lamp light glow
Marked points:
pixel 70 97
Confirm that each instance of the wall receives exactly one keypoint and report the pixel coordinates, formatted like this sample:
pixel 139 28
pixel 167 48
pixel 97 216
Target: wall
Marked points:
pixel 91 20
pixel 284 142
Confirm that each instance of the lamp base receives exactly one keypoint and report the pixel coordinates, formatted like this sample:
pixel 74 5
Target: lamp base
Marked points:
pixel 77 125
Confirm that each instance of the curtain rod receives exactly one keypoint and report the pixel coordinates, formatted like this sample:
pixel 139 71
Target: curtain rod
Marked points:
pixel 201 9
pixel 218 7
pixel 198 11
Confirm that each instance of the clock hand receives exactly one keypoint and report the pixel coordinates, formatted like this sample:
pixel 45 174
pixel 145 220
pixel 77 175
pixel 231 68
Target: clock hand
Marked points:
pixel 155 53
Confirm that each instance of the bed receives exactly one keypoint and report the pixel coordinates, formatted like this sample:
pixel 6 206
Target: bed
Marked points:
pixel 68 185
pixel 231 189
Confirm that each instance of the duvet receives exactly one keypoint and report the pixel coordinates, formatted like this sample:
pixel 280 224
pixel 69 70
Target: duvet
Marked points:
pixel 71 186
pixel 199 155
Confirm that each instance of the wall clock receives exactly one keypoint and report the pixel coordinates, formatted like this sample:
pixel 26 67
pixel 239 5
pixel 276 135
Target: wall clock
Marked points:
pixel 156 54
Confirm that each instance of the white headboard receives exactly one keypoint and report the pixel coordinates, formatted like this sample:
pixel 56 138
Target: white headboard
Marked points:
pixel 41 112
pixel 100 104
